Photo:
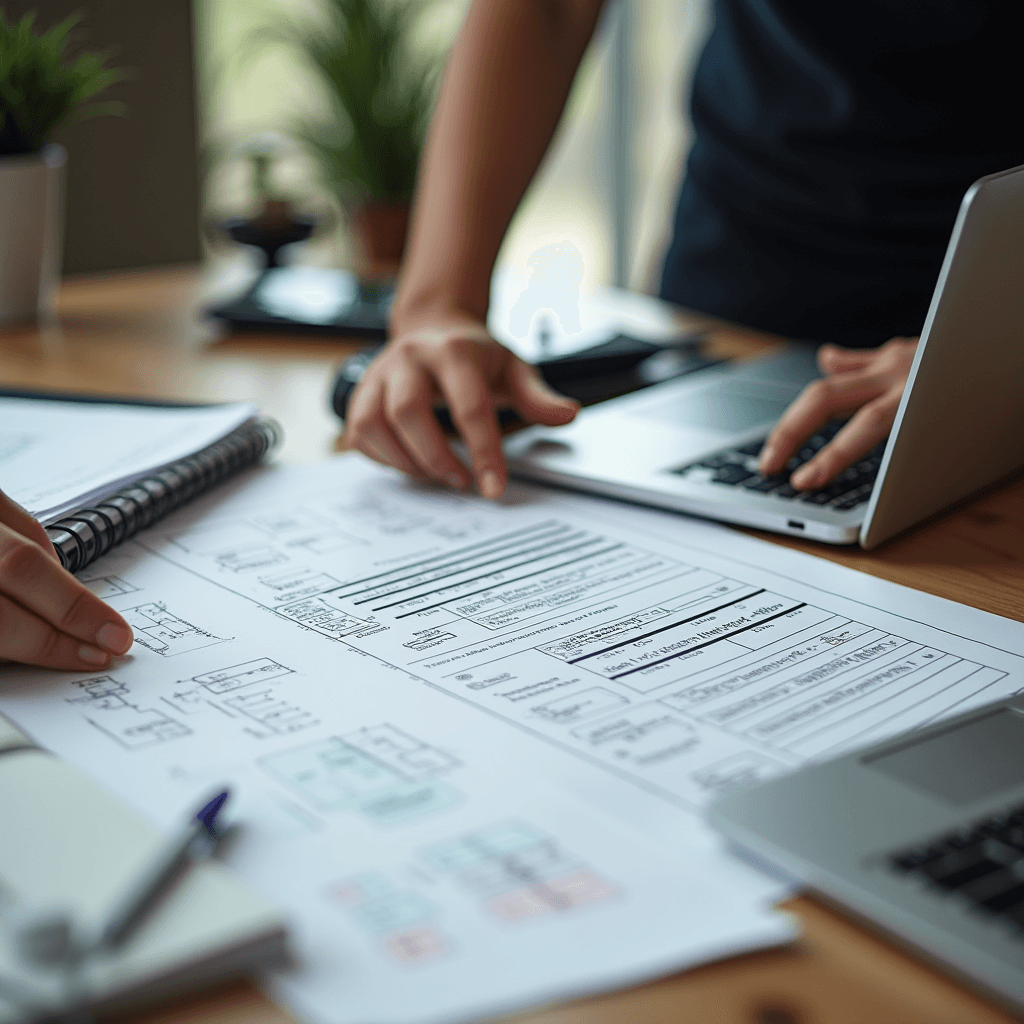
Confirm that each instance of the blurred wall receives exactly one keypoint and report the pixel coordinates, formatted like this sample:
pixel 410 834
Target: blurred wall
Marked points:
pixel 132 195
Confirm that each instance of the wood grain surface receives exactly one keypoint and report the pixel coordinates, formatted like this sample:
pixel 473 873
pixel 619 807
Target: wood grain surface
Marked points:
pixel 143 334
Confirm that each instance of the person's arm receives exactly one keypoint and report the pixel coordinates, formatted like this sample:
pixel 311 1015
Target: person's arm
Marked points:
pixel 504 89
pixel 47 617
pixel 864 384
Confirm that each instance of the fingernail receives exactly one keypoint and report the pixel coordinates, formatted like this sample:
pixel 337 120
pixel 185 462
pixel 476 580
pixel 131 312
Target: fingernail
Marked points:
pixel 114 638
pixel 568 411
pixel 767 457
pixel 490 484
pixel 92 655
pixel 807 479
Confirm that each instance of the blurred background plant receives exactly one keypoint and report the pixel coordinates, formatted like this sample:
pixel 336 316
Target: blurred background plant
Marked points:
pixel 40 89
pixel 379 92
pixel 571 200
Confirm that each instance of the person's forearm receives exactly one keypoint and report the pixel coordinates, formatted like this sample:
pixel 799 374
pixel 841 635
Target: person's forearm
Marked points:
pixel 503 92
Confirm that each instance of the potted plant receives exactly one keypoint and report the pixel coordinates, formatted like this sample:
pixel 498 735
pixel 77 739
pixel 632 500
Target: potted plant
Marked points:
pixel 380 95
pixel 39 91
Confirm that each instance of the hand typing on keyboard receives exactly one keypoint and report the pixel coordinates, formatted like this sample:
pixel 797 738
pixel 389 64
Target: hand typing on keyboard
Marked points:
pixel 864 384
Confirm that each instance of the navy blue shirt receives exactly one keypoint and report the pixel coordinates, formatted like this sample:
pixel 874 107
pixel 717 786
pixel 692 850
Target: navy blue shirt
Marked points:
pixel 833 142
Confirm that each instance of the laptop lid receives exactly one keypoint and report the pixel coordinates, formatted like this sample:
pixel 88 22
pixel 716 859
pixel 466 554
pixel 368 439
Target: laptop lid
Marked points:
pixel 960 425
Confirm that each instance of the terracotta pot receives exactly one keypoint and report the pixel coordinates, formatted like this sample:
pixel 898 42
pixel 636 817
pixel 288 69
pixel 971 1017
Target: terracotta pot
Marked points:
pixel 380 229
pixel 31 230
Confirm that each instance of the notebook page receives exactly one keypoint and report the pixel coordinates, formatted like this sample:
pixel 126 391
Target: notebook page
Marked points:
pixel 67 843
pixel 56 456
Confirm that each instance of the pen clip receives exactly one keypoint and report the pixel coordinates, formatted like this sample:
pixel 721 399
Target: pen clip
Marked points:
pixel 207 817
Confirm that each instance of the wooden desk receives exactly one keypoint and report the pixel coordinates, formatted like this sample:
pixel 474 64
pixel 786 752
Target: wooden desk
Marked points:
pixel 139 334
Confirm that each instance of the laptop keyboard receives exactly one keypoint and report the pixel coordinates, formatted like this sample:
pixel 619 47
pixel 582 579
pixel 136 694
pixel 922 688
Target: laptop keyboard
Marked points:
pixel 737 467
pixel 983 864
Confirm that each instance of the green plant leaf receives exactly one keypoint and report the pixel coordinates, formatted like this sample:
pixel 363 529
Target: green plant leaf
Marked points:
pixel 380 93
pixel 40 90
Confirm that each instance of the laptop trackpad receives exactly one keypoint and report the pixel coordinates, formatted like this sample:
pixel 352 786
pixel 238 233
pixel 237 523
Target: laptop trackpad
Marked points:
pixel 967 762
pixel 729 405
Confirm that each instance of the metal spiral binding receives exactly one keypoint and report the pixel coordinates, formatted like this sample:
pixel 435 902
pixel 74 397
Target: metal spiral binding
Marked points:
pixel 88 533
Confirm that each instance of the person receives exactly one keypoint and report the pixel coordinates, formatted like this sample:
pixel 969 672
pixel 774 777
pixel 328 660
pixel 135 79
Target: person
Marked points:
pixel 832 145
pixel 47 617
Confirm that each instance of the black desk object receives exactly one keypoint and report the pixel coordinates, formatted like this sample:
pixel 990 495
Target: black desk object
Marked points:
pixel 615 367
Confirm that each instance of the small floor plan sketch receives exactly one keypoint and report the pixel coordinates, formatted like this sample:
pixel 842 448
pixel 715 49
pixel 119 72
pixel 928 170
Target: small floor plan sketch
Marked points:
pixel 324 541
pixel 403 921
pixel 517 872
pixel 643 736
pixel 187 700
pixel 580 705
pixel 106 587
pixel 243 559
pixel 105 704
pixel 268 715
pixel 164 633
pixel 299 528
pixel 386 516
pixel 295 583
pixel 381 772
pixel 223 680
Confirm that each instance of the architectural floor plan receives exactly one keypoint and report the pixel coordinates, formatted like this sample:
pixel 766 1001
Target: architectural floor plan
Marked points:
pixel 472 743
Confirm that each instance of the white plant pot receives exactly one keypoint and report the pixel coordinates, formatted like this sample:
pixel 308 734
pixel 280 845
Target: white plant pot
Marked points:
pixel 31 233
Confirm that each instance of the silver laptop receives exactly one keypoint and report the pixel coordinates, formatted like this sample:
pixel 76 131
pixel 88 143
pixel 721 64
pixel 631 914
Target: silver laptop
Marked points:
pixel 922 834
pixel 691 444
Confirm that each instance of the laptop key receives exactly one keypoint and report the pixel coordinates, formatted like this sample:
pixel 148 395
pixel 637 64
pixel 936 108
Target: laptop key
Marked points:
pixel 787 490
pixel 962 866
pixel 754 448
pixel 732 474
pixel 1013 836
pixel 849 503
pixel 817 497
pixel 997 891
pixel 1014 916
pixel 914 859
pixel 764 484
pixel 716 461
pixel 854 498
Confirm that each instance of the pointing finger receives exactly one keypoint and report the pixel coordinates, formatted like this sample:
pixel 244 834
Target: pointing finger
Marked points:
pixel 534 400
pixel 472 410
pixel 409 414
pixel 33 580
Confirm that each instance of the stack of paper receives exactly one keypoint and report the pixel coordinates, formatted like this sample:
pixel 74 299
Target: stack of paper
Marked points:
pixel 58 456
pixel 385 673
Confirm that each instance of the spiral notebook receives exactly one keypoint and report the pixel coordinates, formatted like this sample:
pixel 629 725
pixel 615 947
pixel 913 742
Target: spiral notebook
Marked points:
pixel 95 471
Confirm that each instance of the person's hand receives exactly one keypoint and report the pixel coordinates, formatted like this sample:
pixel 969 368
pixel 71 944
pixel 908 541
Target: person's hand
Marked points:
pixel 864 384
pixel 450 360
pixel 47 617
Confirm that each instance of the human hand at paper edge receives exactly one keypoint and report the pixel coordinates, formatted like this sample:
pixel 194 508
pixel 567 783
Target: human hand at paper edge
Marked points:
pixel 47 617
pixel 864 384
pixel 447 358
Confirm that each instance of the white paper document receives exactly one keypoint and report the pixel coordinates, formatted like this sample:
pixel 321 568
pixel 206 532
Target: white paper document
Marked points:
pixel 472 742
pixel 57 456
